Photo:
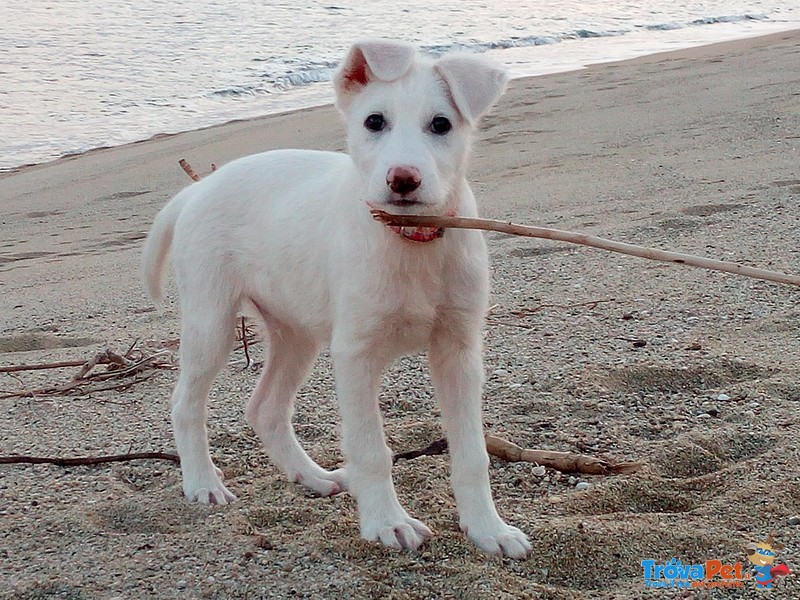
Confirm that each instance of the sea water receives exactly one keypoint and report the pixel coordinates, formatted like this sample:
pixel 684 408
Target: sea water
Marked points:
pixel 83 74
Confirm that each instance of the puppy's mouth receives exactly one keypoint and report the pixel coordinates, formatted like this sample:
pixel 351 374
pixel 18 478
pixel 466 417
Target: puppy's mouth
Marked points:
pixel 413 234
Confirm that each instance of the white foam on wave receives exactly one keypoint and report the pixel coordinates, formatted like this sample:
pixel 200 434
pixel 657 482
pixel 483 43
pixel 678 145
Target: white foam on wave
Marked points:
pixel 311 72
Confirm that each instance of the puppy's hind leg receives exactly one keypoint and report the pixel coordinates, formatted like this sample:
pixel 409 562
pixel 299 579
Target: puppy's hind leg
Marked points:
pixel 289 357
pixel 207 335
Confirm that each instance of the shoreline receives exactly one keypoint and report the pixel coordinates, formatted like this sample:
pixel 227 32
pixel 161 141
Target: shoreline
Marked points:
pixel 654 56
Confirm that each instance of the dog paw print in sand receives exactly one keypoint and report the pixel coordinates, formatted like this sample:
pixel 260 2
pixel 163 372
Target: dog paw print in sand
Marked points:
pixel 671 380
pixel 707 210
pixel 15 257
pixel 121 242
pixel 165 512
pixel 699 453
pixel 42 214
pixel 131 516
pixel 29 342
pixel 124 195
pixel 792 184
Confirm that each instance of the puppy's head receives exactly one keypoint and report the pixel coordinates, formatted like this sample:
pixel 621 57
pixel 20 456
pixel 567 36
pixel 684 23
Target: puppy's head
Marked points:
pixel 410 120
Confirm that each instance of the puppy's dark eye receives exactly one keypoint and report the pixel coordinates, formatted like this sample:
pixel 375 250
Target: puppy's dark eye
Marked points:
pixel 375 122
pixel 441 125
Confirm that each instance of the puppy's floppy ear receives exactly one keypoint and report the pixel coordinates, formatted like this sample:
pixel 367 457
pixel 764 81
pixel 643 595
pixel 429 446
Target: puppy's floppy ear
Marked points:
pixel 475 83
pixel 384 60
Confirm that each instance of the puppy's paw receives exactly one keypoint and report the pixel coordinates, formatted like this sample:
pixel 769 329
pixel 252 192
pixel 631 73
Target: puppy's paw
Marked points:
pixel 208 493
pixel 212 497
pixel 324 483
pixel 498 538
pixel 400 532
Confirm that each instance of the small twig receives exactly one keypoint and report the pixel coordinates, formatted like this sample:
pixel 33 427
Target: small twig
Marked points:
pixel 524 312
pixel 89 460
pixel 191 172
pixel 244 346
pixel 584 240
pixel 566 462
pixel 188 169
pixel 495 321
pixel 88 366
pixel 130 349
pixel 85 381
pixel 129 369
pixel 53 365
pixel 635 341
pixel 76 387
pixel 121 386
pixel 437 447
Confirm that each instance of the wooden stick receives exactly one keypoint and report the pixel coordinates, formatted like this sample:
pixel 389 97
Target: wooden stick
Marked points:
pixel 54 365
pixel 75 387
pixel 188 169
pixel 584 240
pixel 85 381
pixel 245 345
pixel 566 462
pixel 525 312
pixel 89 460
pixel 130 369
pixel 432 449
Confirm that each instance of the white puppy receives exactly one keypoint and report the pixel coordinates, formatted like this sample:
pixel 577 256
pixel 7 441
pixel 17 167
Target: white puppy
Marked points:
pixel 289 234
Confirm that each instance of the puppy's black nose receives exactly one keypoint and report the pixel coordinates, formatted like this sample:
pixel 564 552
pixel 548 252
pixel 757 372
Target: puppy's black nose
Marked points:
pixel 403 179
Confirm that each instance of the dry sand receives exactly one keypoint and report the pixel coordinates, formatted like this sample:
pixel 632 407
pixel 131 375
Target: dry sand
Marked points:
pixel 695 151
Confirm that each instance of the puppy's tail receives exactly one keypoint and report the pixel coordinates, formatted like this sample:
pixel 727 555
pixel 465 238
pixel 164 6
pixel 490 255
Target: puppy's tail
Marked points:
pixel 157 245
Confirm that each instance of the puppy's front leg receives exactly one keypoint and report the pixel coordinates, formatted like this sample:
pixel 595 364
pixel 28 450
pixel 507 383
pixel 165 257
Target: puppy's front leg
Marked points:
pixel 457 373
pixel 369 460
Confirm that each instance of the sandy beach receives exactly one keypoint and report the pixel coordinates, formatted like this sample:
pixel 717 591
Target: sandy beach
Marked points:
pixel 695 151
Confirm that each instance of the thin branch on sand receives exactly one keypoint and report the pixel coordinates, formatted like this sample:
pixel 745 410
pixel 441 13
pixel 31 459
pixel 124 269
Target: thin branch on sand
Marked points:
pixel 122 370
pixel 527 312
pixel 38 367
pixel 432 449
pixel 89 460
pixel 191 172
pixel 87 380
pixel 591 304
pixel 566 462
pixel 584 240
pixel 243 333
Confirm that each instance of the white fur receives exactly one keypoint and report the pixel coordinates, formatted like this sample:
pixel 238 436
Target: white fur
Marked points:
pixel 289 233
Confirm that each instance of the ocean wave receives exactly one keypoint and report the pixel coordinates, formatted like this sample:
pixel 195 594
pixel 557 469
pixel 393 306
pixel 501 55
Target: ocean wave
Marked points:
pixel 729 19
pixel 300 75
pixel 237 91
pixel 706 21
pixel 313 73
